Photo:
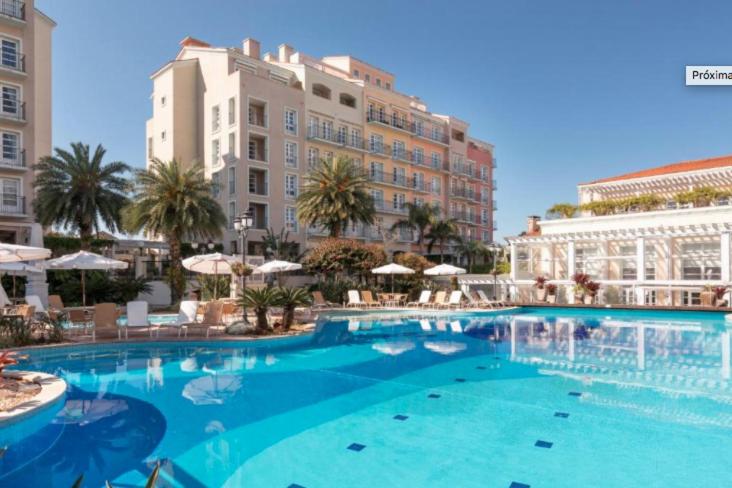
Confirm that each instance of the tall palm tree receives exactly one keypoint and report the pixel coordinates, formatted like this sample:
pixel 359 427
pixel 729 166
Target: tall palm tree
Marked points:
pixel 441 233
pixel 419 218
pixel 174 202
pixel 76 190
pixel 335 194
pixel 470 249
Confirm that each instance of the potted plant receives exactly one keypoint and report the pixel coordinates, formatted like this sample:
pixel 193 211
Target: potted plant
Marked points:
pixel 591 289
pixel 719 293
pixel 707 296
pixel 540 285
pixel 551 293
pixel 580 290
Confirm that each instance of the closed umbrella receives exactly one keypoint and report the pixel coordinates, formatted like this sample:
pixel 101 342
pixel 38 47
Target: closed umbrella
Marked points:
pixel 392 269
pixel 214 264
pixel 84 260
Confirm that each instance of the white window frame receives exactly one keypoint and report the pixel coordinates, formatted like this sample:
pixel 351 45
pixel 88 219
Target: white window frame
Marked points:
pixel 293 131
pixel 215 118
pixel 18 51
pixel 266 112
pixel 266 182
pixel 292 226
pixel 18 149
pixel 215 158
pixel 266 146
pixel 288 178
pixel 231 105
pixel 295 156
pixel 231 177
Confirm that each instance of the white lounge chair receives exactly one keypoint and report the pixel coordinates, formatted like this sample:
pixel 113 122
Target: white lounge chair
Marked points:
pixel 354 299
pixel 35 301
pixel 424 299
pixel 494 303
pixel 455 300
pixel 137 317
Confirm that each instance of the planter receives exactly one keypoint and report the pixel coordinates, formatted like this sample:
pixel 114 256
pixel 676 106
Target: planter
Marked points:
pixel 541 294
pixel 720 302
pixel 579 298
pixel 707 298
pixel 589 299
pixel 551 299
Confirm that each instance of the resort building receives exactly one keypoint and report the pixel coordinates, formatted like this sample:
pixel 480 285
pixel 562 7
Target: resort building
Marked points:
pixel 659 236
pixel 25 119
pixel 288 110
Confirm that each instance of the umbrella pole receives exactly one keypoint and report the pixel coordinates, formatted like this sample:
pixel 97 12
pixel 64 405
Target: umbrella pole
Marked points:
pixel 392 283
pixel 14 297
pixel 83 290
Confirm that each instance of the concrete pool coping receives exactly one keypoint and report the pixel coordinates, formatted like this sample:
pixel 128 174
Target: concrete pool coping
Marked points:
pixel 53 389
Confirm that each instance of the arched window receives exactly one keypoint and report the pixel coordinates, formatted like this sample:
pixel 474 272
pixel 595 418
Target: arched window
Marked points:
pixel 348 100
pixel 321 90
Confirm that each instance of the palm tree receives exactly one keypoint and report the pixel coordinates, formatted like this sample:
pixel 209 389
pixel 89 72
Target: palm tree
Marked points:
pixel 259 300
pixel 336 193
pixel 419 218
pixel 470 249
pixel 441 233
pixel 176 203
pixel 77 190
pixel 289 299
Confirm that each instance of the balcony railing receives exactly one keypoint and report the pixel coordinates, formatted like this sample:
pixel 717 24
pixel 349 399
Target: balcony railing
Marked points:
pixel 465 217
pixel 13 8
pixel 494 186
pixel 15 62
pixel 401 154
pixel 16 160
pixel 467 193
pixel 336 137
pixel 402 123
pixel 11 204
pixel 13 110
pixel 388 207
pixel 379 148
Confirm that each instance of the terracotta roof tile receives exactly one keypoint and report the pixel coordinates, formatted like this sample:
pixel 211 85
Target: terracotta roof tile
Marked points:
pixel 681 167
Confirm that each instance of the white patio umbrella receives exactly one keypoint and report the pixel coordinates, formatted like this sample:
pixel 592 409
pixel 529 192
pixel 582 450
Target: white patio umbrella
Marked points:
pixel 10 253
pixel 214 264
pixel 276 266
pixel 444 270
pixel 84 260
pixel 212 390
pixel 392 269
pixel 18 267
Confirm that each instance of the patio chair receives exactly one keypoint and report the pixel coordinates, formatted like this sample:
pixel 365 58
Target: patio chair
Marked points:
pixel 455 300
pixel 354 299
pixel 439 300
pixel 211 318
pixel 424 299
pixel 368 299
pixel 228 311
pixel 77 319
pixel 320 302
pixel 105 321
pixel 187 314
pixel 494 303
pixel 137 317
pixel 476 301
pixel 55 302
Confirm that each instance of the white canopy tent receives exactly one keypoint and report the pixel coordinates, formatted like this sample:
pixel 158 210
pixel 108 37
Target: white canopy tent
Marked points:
pixel 84 260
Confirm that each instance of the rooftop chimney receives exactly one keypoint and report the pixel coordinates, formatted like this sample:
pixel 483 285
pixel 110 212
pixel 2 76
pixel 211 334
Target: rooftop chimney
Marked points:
pixel 251 47
pixel 285 52
pixel 533 228
pixel 269 58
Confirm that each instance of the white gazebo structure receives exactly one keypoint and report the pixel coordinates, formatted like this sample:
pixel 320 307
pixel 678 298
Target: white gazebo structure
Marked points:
pixel 665 256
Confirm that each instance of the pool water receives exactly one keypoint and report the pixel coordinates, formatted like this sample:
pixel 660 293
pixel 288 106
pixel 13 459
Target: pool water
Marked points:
pixel 539 398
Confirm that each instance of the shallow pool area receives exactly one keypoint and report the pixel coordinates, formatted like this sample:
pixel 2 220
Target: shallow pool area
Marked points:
pixel 529 397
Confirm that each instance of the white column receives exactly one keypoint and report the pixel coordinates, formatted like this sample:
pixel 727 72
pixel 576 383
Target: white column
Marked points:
pixel 640 269
pixel 570 269
pixel 724 245
pixel 513 262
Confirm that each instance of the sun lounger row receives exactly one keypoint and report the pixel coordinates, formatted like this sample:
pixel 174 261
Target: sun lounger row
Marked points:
pixel 428 300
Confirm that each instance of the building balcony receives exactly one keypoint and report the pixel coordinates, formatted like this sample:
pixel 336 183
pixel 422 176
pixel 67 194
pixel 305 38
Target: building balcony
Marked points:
pixel 388 207
pixel 460 169
pixel 397 122
pixel 379 149
pixel 464 193
pixel 12 11
pixel 465 217
pixel 401 155
pixel 390 179
pixel 13 64
pixel 494 185
pixel 13 112
pixel 13 161
pixel 336 138
pixel 12 205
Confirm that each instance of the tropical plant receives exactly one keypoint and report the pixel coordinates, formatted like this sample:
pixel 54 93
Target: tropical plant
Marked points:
pixel 412 284
pixel 643 203
pixel 241 269
pixel 600 207
pixel 334 288
pixel 214 286
pixel 336 193
pixel 9 358
pixel 175 202
pixel 561 210
pixel 592 287
pixel 551 289
pixel 471 249
pixel 76 190
pixel 280 244
pixel 701 197
pixel 501 267
pixel 260 300
pixel 719 292
pixel 289 299
pixel 100 286
pixel 441 233
pixel 419 218
pixel 540 282
pixel 354 258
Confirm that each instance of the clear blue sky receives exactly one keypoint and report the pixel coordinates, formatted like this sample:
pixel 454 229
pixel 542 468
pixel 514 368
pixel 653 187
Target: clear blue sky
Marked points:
pixel 568 91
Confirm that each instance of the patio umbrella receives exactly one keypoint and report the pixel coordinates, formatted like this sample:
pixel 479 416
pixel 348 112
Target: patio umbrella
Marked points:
pixel 10 253
pixel 19 267
pixel 444 270
pixel 392 269
pixel 84 260
pixel 276 266
pixel 214 264
pixel 211 390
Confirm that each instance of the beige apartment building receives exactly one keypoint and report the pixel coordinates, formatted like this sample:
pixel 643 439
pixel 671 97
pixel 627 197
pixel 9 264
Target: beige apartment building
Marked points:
pixel 258 122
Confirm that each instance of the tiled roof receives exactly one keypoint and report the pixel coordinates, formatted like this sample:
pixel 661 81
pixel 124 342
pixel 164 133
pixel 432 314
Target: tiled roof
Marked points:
pixel 681 167
pixel 193 42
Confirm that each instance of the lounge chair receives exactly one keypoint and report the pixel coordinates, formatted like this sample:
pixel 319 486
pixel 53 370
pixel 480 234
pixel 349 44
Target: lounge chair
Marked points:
pixel 439 300
pixel 494 303
pixel 211 318
pixel 476 301
pixel 137 317
pixel 105 321
pixel 35 301
pixel 354 299
pixel 229 310
pixel 55 302
pixel 368 299
pixel 424 299
pixel 77 319
pixel 455 300
pixel 187 314
pixel 320 302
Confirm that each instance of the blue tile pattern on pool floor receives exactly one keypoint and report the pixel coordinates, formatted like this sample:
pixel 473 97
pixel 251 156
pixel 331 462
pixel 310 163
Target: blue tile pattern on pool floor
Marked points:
pixel 356 447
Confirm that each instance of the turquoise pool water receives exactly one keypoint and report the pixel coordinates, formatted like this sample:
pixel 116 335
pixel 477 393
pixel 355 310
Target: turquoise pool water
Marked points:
pixel 539 398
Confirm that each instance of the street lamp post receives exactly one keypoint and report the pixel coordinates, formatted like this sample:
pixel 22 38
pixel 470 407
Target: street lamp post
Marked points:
pixel 242 224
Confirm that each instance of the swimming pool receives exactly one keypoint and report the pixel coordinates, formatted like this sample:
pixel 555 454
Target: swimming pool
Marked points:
pixel 540 398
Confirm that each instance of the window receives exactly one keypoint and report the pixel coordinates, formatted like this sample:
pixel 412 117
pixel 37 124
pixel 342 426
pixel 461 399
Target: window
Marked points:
pixel 327 130
pixel 232 144
pixel 291 219
pixel 388 85
pixel 398 201
pixel 458 135
pixel 418 127
pixel 484 216
pixel 486 236
pixel 342 134
pixel 232 213
pixel 356 73
pixel 313 156
pixel 436 161
pixel 378 81
pixel 320 90
pixel 378 196
pixel 437 134
pixel 436 185
pixel 291 121
pixel 258 113
pixel 398 151
pixel 232 181
pixel 484 173
pixel 399 177
pixel 163 136
pixel 10 56
pixel 150 151
pixel 376 171
pixel 701 261
pixel 418 181
pixel 585 262
pixel 257 148
pixel 418 155
pixel 215 118
pixel 11 148
pixel 258 182
pixel 290 186
pixel 356 138
pixel 11 194
pixel 376 143
pixel 348 100
pixel 215 184
pixel 367 77
pixel 291 154
pixel 215 152
pixel 163 100
pixel 232 110
pixel 11 100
